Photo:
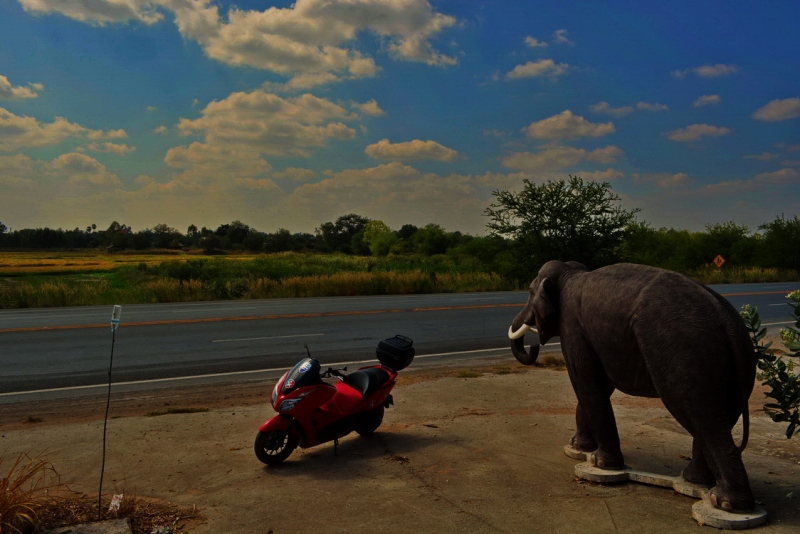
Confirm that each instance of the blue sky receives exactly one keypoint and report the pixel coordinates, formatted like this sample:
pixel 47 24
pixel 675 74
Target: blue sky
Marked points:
pixel 289 115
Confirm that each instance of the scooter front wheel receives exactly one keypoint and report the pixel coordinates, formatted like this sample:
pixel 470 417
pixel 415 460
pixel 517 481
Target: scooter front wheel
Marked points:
pixel 274 446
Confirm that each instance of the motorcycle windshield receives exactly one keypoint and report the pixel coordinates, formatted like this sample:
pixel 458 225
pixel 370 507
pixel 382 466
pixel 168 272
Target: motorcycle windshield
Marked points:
pixel 305 373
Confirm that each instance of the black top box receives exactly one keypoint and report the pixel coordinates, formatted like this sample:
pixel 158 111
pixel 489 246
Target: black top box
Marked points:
pixel 396 352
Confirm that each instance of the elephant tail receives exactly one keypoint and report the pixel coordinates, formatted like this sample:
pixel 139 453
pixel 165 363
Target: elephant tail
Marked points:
pixel 745 427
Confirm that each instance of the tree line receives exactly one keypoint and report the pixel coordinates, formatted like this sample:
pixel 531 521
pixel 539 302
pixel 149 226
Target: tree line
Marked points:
pixel 560 219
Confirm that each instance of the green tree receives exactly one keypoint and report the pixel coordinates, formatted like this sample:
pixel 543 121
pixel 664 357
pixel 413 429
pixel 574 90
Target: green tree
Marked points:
pixel 339 235
pixel 781 243
pixel 561 220
pixel 379 238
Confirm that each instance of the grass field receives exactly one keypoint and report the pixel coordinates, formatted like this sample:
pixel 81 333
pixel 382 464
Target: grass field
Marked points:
pixel 45 279
pixel 30 280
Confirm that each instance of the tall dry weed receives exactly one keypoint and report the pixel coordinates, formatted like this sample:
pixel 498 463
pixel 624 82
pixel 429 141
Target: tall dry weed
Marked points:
pixel 25 489
pixel 168 290
pixel 51 294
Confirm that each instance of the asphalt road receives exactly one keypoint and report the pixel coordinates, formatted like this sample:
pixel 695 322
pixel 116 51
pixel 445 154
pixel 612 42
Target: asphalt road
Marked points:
pixel 64 351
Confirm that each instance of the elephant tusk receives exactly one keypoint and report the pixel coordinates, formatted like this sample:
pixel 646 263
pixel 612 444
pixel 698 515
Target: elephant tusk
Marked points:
pixel 524 329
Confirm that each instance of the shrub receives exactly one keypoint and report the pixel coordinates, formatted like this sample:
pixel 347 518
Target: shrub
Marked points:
pixel 776 372
pixel 24 491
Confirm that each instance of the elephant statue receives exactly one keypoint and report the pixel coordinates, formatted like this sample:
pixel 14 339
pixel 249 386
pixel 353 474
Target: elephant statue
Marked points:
pixel 648 332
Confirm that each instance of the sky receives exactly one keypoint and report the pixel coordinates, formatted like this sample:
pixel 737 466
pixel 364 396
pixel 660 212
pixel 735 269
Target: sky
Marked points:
pixel 289 115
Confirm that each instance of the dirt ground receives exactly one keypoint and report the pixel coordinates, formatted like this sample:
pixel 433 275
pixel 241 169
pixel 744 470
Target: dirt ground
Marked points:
pixel 476 449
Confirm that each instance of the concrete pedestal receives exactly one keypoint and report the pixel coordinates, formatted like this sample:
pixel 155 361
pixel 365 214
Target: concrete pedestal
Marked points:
pixel 702 511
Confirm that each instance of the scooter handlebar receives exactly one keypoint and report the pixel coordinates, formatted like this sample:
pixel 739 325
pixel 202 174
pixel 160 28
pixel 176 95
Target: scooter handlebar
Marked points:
pixel 334 372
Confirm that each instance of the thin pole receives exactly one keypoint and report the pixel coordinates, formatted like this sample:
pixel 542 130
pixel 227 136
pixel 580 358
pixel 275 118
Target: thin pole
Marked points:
pixel 105 427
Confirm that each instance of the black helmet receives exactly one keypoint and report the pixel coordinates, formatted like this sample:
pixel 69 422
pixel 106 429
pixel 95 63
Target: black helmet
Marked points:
pixel 395 352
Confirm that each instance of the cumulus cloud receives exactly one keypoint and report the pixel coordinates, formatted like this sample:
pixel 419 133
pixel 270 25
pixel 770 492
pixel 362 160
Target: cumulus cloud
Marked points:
pixel 533 69
pixel 18 132
pixel 783 176
pixel 764 156
pixel 205 162
pixel 707 100
pixel 608 175
pixel 97 12
pixel 779 110
pixel 606 109
pixel 708 71
pixel 560 37
pixel 410 151
pixel 268 124
pixel 10 92
pixel 565 125
pixel 112 148
pixel 310 40
pixel 552 158
pixel 697 131
pixel 663 179
pixel 533 42
pixel 650 107
pixel 80 168
pixel 369 108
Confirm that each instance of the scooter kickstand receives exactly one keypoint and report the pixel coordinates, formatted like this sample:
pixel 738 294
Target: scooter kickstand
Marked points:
pixel 336 447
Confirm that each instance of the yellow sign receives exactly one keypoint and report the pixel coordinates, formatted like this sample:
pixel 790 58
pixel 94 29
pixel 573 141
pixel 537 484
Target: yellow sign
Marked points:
pixel 719 260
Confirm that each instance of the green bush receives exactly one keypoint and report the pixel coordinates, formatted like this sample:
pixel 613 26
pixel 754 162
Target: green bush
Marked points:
pixel 776 372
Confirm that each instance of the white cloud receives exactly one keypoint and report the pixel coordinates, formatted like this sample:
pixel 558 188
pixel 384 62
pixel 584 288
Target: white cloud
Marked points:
pixel 268 124
pixel 779 110
pixel 565 125
pixel 160 129
pixel 651 107
pixel 533 42
pixel 98 12
pixel 370 107
pixel 112 148
pixel 560 37
pixel 17 132
pixel 80 168
pixel 410 151
pixel 715 71
pixel 608 175
pixel 783 176
pixel 9 92
pixel 310 40
pixel 295 174
pixel 606 109
pixel 204 162
pixel 552 158
pixel 708 71
pixel 697 131
pixel 542 67
pixel 707 100
pixel 764 156
pixel 663 179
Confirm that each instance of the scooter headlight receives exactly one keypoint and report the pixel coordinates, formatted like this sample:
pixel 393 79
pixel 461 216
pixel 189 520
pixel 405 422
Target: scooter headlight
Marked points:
pixel 275 395
pixel 289 404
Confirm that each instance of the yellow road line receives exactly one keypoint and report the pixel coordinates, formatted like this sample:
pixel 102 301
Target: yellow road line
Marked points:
pixel 252 318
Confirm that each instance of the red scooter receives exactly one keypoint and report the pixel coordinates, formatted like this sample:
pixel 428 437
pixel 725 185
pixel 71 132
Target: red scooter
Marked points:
pixel 311 411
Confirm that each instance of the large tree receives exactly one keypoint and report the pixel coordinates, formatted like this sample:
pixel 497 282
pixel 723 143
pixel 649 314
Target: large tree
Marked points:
pixel 561 220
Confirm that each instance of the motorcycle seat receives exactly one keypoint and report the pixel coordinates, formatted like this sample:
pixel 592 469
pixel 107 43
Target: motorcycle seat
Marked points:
pixel 367 381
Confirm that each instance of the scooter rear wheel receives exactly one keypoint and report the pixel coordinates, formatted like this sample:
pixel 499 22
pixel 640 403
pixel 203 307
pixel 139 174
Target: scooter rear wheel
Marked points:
pixel 372 420
pixel 274 446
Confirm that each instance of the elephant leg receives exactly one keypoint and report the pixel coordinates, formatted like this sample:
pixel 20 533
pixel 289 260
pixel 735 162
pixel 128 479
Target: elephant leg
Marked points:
pixel 583 440
pixel 732 491
pixel 698 472
pixel 593 389
pixel 713 440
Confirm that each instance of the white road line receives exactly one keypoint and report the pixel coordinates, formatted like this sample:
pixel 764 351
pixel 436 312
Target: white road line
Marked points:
pixel 260 338
pixel 232 373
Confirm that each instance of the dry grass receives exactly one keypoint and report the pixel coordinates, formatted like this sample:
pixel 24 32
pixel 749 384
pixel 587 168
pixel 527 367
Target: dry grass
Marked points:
pixel 146 515
pixel 25 491
pixel 742 275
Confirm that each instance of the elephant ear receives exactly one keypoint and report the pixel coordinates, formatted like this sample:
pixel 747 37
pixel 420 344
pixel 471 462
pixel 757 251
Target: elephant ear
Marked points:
pixel 545 310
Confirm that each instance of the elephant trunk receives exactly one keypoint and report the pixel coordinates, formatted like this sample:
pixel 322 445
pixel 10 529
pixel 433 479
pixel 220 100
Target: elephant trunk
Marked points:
pixel 516 334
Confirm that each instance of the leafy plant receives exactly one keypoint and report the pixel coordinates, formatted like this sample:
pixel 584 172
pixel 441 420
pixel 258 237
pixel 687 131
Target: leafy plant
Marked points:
pixel 776 372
